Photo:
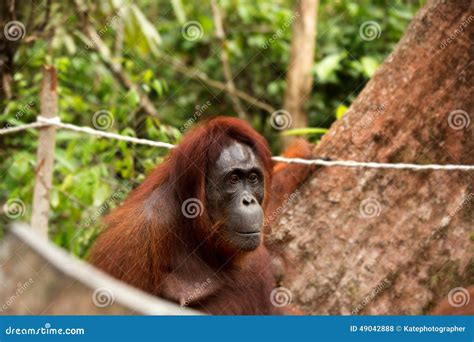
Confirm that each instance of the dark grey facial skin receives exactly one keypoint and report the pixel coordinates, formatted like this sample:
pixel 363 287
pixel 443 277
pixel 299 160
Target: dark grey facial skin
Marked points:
pixel 235 191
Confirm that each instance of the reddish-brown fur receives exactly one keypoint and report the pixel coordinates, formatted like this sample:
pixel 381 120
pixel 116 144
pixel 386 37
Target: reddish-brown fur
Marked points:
pixel 150 244
pixel 287 178
pixel 444 307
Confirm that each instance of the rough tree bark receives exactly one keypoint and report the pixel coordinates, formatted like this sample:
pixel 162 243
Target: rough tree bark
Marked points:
pixel 367 241
pixel 299 79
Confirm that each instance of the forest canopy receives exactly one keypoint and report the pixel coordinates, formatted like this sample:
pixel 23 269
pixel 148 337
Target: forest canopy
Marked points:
pixel 111 55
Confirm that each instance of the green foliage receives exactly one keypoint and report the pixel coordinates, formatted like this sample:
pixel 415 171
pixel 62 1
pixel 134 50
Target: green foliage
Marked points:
pixel 93 175
pixel 305 131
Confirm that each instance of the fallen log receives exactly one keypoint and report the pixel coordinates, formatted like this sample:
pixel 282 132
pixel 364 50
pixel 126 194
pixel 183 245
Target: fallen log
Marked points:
pixel 38 278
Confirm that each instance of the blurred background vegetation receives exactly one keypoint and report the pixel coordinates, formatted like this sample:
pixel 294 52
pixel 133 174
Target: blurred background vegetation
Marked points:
pixel 145 39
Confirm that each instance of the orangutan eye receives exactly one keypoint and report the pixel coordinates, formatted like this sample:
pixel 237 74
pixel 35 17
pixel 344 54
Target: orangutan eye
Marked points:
pixel 253 178
pixel 234 178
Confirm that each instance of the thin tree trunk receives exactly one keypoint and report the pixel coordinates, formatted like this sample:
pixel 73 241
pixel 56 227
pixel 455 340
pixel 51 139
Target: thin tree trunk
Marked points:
pixel 229 79
pixel 45 154
pixel 367 241
pixel 11 35
pixel 299 79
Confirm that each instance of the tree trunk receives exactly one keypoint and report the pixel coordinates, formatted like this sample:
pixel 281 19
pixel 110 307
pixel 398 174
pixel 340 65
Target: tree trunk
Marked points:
pixel 371 241
pixel 11 33
pixel 299 79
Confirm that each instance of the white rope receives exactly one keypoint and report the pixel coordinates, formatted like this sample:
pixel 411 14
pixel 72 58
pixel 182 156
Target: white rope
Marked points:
pixel 42 121
pixel 352 163
pixel 14 129
pixel 56 122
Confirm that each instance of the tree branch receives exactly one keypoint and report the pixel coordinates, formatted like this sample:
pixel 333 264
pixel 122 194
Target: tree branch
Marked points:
pixel 115 68
pixel 201 76
pixel 299 79
pixel 176 64
pixel 220 34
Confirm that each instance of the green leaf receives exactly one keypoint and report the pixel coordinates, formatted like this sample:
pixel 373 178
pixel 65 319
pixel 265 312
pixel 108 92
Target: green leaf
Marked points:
pixel 147 76
pixel 67 182
pixel 101 193
pixel 178 11
pixel 133 97
pixel 340 111
pixel 140 32
pixel 369 65
pixel 272 88
pixel 54 200
pixel 325 69
pixel 158 87
pixel 305 131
